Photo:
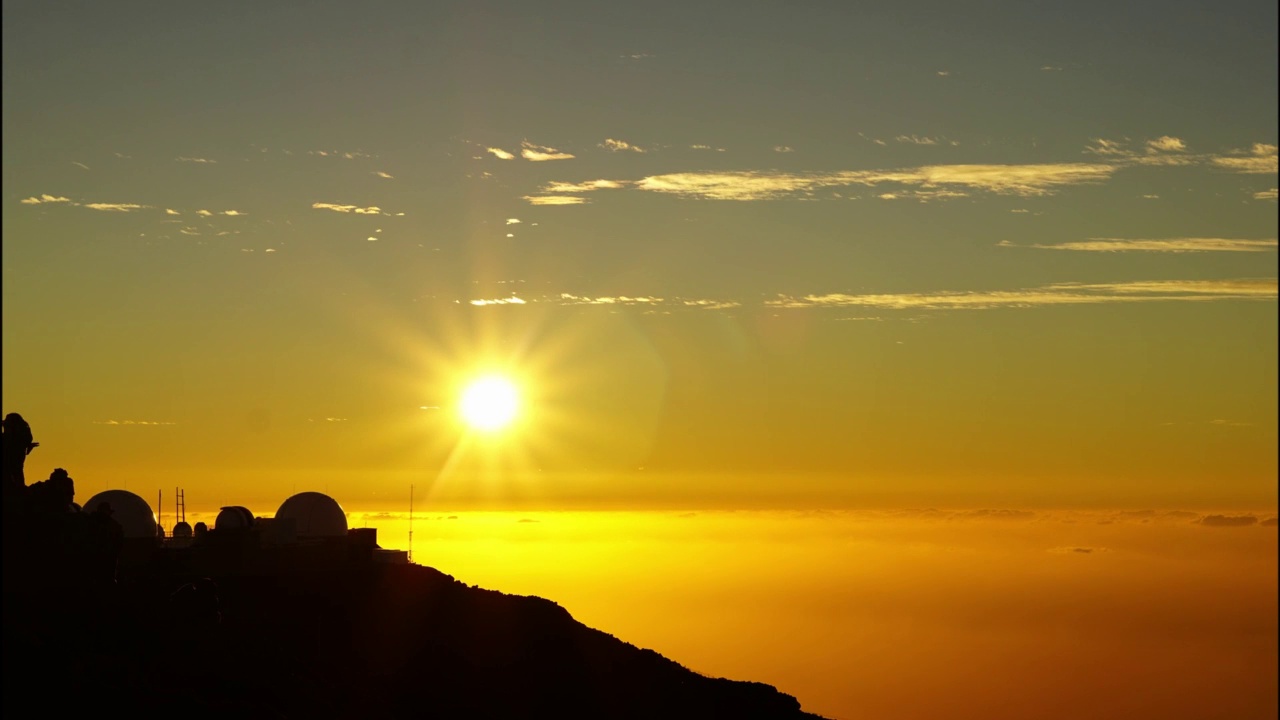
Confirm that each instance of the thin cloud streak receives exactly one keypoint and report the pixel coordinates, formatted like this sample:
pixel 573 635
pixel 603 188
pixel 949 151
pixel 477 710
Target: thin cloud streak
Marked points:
pixel 44 199
pixel 1057 294
pixel 1173 245
pixel 588 186
pixel 554 200
pixel 115 207
pixel 540 153
pixel 373 210
pixel 1022 180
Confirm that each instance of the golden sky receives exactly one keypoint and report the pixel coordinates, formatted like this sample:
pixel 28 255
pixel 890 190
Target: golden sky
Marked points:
pixel 730 256
pixel 763 277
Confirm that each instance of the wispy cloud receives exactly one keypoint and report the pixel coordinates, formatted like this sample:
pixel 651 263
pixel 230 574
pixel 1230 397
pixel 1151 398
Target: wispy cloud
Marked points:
pixel 1229 520
pixel 541 153
pixel 554 200
pixel 1013 179
pixel 204 213
pixel 513 221
pixel 1165 143
pixel 1265 194
pixel 642 301
pixel 1108 148
pixel 588 186
pixel 43 199
pixel 711 304
pixel 131 422
pixel 115 207
pixel 735 185
pixel 1173 245
pixel 923 195
pixel 345 155
pixel 1164 150
pixel 783 149
pixel 1025 180
pixel 1259 159
pixel 205 161
pixel 384 175
pixel 171 211
pixel 233 213
pixel 568 299
pixel 918 140
pixel 374 210
pixel 1057 294
pixel 499 153
pixel 613 145
pixel 80 165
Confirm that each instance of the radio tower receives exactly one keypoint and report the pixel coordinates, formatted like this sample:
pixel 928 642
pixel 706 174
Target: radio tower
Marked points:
pixel 411 523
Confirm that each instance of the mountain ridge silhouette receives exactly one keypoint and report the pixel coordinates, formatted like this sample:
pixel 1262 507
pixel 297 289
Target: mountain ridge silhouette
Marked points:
pixel 398 641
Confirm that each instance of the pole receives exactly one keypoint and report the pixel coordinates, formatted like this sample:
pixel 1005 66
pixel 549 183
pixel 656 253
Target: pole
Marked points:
pixel 411 523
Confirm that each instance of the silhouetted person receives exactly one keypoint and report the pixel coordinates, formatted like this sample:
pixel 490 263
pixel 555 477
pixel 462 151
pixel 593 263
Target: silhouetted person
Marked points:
pixel 53 496
pixel 106 538
pixel 195 605
pixel 18 445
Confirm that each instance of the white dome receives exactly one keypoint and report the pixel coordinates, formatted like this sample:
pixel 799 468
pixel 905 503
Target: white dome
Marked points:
pixel 233 518
pixel 132 512
pixel 314 515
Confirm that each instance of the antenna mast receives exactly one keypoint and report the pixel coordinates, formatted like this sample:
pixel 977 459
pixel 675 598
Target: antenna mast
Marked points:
pixel 410 523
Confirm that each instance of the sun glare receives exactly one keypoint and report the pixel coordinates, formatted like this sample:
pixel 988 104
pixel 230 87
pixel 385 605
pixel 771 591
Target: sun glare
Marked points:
pixel 489 403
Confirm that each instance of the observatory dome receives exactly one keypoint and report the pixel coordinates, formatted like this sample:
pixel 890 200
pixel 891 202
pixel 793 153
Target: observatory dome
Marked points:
pixel 314 515
pixel 132 512
pixel 233 518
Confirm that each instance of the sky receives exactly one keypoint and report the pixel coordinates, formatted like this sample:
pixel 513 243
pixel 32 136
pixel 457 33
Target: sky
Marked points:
pixel 732 254
pixel 916 358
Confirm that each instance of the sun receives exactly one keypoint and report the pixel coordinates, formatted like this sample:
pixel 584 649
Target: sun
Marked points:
pixel 489 403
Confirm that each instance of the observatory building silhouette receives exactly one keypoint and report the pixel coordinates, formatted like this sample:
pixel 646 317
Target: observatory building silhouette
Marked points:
pixel 314 515
pixel 308 532
pixel 136 519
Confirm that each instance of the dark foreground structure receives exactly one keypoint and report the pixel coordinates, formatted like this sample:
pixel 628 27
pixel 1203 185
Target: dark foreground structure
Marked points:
pixel 234 625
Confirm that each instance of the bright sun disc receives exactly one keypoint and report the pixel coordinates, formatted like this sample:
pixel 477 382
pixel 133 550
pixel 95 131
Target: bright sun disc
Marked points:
pixel 489 403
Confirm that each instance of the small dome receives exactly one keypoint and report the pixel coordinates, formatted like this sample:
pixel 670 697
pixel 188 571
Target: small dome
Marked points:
pixel 132 512
pixel 233 518
pixel 182 530
pixel 314 515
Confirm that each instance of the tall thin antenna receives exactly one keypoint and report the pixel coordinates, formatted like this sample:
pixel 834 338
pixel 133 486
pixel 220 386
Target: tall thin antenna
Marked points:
pixel 160 513
pixel 410 523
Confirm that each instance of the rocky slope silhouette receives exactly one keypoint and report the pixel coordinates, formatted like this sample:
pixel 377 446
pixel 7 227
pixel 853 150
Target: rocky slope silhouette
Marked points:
pixel 365 639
